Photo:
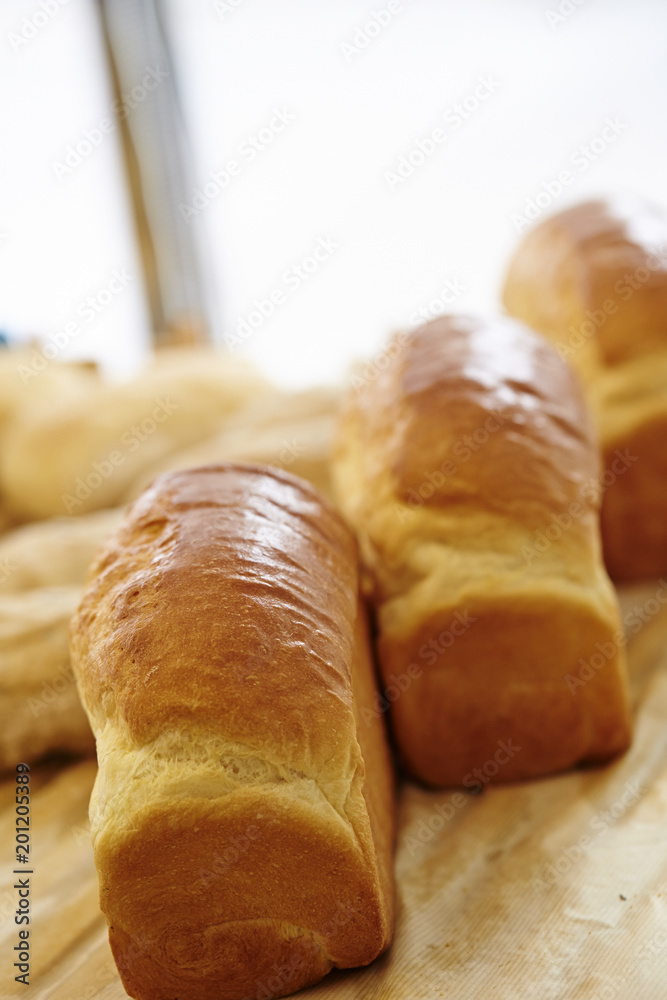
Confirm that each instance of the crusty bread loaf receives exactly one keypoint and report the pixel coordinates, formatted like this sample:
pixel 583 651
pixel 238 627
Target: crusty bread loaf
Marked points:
pixel 53 553
pixel 468 469
pixel 594 279
pixel 242 815
pixel 82 453
pixel 40 711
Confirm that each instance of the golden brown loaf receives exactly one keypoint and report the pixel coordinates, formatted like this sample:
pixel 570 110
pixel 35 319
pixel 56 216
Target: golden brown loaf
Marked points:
pixel 594 279
pixel 468 469
pixel 40 710
pixel 242 815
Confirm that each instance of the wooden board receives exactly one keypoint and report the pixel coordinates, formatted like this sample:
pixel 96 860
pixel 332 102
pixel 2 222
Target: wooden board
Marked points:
pixel 497 897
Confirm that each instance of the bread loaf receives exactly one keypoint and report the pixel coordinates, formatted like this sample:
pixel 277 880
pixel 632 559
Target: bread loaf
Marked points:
pixel 288 431
pixel 24 388
pixel 82 453
pixel 468 468
pixel 40 711
pixel 53 553
pixel 594 279
pixel 242 814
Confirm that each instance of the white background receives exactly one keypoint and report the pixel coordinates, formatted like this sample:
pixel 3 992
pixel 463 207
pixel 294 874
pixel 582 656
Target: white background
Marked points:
pixel 356 111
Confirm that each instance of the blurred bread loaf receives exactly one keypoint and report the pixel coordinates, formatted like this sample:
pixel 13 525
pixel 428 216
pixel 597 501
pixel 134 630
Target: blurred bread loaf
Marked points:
pixel 55 552
pixel 222 655
pixel 286 431
pixel 81 453
pixel 593 278
pixel 40 710
pixel 22 388
pixel 470 450
pixel 25 391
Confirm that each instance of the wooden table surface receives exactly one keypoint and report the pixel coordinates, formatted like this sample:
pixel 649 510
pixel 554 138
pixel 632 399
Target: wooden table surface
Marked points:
pixel 496 904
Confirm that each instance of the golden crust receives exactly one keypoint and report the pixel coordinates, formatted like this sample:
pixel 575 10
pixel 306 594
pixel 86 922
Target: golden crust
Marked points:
pixel 597 252
pixel 594 279
pixel 242 815
pixel 458 371
pixel 470 472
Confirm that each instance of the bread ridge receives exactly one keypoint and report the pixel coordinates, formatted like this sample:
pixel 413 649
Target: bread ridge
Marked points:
pixel 377 431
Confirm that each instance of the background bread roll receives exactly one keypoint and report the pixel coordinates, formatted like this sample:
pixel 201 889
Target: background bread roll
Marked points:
pixel 25 392
pixel 453 465
pixel 22 388
pixel 242 815
pixel 291 432
pixel 594 279
pixel 82 453
pixel 6 520
pixel 54 552
pixel 40 711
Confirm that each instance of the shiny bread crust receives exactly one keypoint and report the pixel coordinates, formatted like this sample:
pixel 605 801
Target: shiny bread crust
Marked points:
pixel 469 470
pixel 593 278
pixel 242 818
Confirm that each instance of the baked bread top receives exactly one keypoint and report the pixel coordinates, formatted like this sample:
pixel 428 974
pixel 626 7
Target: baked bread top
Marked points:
pixel 595 273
